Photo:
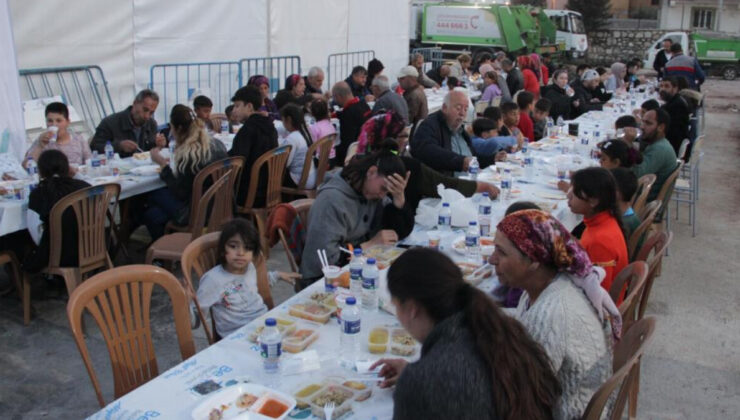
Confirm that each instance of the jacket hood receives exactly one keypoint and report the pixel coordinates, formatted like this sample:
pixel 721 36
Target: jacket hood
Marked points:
pixel 334 181
pixel 261 123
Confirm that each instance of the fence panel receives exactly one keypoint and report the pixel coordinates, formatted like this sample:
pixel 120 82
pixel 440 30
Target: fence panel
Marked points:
pixel 431 55
pixel 276 69
pixel 177 82
pixel 339 65
pixel 82 87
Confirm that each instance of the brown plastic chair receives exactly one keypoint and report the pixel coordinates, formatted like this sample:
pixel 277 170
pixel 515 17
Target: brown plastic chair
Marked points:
pixel 627 354
pixel 209 175
pixel 200 256
pixel 652 252
pixel 119 301
pixel 351 152
pixel 323 148
pixel 276 160
pixel 647 217
pixel 632 278
pixel 91 207
pixel 644 184
pixel 302 207
pixel 170 247
pixel 8 257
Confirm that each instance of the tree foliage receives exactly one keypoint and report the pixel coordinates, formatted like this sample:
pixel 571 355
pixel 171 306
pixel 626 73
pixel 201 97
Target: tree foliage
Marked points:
pixel 596 13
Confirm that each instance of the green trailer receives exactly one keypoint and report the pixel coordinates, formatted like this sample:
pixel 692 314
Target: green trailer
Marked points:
pixel 717 53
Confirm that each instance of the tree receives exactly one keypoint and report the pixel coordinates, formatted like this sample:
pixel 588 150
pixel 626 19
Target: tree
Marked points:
pixel 536 3
pixel 596 13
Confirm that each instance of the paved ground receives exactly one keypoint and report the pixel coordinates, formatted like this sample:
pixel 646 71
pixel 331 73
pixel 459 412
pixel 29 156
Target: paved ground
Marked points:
pixel 691 371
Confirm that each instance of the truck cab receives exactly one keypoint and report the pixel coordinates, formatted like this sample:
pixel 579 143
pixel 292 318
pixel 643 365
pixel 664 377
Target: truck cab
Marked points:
pixel 571 33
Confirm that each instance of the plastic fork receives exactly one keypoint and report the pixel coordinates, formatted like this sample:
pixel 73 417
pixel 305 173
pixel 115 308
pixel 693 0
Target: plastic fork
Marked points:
pixel 328 410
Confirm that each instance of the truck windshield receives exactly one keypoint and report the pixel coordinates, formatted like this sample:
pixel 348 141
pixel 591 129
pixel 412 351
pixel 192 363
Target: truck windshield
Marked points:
pixel 561 22
pixel 576 23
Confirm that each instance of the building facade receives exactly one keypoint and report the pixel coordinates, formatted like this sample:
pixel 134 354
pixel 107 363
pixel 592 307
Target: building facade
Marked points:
pixel 709 15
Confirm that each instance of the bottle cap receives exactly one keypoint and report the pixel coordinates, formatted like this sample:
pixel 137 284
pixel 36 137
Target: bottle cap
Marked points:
pixel 445 204
pixel 270 322
pixel 485 194
pixel 351 300
pixel 358 252
pixel 473 223
pixel 371 261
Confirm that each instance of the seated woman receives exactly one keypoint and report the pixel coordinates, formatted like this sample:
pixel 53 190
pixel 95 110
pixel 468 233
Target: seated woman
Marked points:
pixel 55 183
pixel 268 108
pixel 468 367
pixel 491 90
pixel 294 92
pixel 194 150
pixel 593 194
pixel 616 80
pixel 351 208
pixel 563 306
pixel 300 139
pixel 563 98
pixel 73 145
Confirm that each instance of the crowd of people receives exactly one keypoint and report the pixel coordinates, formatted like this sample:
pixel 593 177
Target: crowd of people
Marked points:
pixel 542 357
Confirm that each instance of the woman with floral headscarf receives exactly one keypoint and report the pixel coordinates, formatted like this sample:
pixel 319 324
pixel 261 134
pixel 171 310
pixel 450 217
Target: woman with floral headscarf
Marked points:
pixel 563 306
pixel 531 81
pixel 294 92
pixel 268 108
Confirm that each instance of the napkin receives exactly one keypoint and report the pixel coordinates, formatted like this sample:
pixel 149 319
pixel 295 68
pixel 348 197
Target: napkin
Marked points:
pixel 463 209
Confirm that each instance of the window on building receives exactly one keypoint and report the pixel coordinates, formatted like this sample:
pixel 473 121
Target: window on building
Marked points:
pixel 703 18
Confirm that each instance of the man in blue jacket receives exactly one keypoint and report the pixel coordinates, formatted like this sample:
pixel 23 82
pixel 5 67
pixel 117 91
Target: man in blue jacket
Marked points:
pixel 684 66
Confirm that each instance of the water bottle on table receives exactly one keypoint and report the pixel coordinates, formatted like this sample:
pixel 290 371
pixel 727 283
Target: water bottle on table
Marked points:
pixel 561 126
pixel 349 341
pixel 172 145
pixel 355 273
pixel 484 215
pixel 472 242
pixel 224 127
pixel 550 127
pixel 506 182
pixel 473 168
pixel 31 166
pixel 271 343
pixel 444 220
pixel 370 285
pixel 109 152
pixel 95 164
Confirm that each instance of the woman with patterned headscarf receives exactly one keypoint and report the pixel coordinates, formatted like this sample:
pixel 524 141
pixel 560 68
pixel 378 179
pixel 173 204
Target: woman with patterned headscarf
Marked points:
pixel 294 92
pixel 268 108
pixel 563 305
pixel 531 81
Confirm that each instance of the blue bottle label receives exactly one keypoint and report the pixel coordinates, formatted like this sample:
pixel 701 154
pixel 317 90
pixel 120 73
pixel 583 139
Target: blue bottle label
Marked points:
pixel 355 273
pixel 369 283
pixel 505 184
pixel 445 220
pixel 484 209
pixel 351 327
pixel 271 350
pixel 471 241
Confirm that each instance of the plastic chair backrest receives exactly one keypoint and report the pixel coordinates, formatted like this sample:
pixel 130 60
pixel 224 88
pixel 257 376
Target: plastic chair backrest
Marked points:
pixel 655 246
pixel 212 210
pixel 632 277
pixel 90 207
pixel 627 353
pixel 644 184
pixel 647 217
pixel 351 152
pixel 302 207
pixel 682 148
pixel 209 175
pixel 324 146
pixel 667 189
pixel 276 160
pixel 119 301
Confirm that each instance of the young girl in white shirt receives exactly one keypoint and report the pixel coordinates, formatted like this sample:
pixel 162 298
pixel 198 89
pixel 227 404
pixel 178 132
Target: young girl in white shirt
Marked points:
pixel 299 137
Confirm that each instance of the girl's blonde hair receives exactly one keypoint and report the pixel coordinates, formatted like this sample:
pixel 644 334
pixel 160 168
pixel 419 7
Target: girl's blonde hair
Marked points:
pixel 193 149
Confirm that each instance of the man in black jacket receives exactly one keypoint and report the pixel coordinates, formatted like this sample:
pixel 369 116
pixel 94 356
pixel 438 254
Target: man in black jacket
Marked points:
pixel 132 129
pixel 662 57
pixel 585 89
pixel 441 141
pixel 354 113
pixel 678 109
pixel 256 137
pixel 440 74
pixel 514 77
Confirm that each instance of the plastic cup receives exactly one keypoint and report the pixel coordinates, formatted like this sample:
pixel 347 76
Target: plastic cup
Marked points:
pixel 53 130
pixel 434 239
pixel 562 172
pixel 331 277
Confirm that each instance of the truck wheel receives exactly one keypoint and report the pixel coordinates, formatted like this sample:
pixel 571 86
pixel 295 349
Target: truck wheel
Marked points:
pixel 729 73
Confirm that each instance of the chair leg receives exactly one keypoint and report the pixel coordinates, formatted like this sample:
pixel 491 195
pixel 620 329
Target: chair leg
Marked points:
pixel 26 299
pixel 149 256
pixel 634 392
pixel 667 225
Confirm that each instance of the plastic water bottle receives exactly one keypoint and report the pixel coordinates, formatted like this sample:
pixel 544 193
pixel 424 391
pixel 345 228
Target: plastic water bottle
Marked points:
pixel 95 163
pixel 444 221
pixel 550 125
pixel 224 127
pixel 172 148
pixel 369 285
pixel 506 182
pixel 355 273
pixel 528 167
pixel 472 242
pixel 349 341
pixel 109 152
pixel 561 125
pixel 271 343
pixel 484 215
pixel 31 166
pixel 473 168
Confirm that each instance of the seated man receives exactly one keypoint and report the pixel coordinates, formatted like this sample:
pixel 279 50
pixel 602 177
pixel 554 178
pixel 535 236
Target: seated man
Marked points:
pixel 586 90
pixel 539 117
pixel 202 106
pixel 353 114
pixel 628 124
pixel 676 106
pixel 514 76
pixel 440 74
pixel 487 142
pixel 441 141
pixel 417 61
pixel 256 137
pixel 413 93
pixel 314 82
pixel 356 82
pixel 132 129
pixel 386 99
pixel 658 156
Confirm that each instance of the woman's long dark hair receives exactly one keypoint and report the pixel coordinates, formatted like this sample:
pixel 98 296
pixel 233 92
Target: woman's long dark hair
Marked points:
pixel 385 159
pixel 599 183
pixel 523 383
pixel 295 113
pixel 617 149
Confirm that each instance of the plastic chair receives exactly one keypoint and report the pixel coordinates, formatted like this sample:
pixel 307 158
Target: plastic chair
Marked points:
pixel 682 149
pixel 665 197
pixel 200 256
pixel 687 184
pixel 322 147
pixel 302 208
pixel 119 301
pixel 644 184
pixel 209 175
pixel 276 160
pixel 632 278
pixel 8 257
pixel 170 247
pixel 647 217
pixel 351 152
pixel 627 354
pixel 652 252
pixel 91 206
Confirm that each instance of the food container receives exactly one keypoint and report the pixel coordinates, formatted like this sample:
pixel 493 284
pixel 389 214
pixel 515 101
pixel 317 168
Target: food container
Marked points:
pixel 384 255
pixel 273 405
pixel 298 340
pixel 341 396
pixel 402 344
pixel 324 298
pixel 304 394
pixel 377 340
pixel 311 311
pixel 245 400
pixel 284 325
pixel 362 391
pixel 340 301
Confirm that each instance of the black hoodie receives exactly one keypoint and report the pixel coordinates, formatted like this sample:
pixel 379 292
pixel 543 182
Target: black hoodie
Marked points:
pixel 256 137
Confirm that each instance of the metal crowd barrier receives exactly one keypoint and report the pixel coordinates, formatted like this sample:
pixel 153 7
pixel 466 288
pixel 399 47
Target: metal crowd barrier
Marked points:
pixel 177 83
pixel 276 69
pixel 431 55
pixel 82 87
pixel 339 66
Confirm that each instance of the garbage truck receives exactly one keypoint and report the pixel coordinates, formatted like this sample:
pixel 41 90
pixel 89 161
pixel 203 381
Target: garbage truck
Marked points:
pixel 479 28
pixel 718 54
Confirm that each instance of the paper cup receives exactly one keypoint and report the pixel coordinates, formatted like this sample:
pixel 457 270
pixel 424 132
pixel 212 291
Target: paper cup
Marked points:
pixel 53 130
pixel 434 239
pixel 331 277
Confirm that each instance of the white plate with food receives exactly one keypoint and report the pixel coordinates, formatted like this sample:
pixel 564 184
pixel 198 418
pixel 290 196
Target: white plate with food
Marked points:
pixel 105 180
pixel 142 158
pixel 245 401
pixel 147 170
pixel 459 244
pixel 550 195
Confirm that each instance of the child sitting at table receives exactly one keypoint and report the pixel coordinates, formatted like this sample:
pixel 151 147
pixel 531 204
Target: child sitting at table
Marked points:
pixel 626 189
pixel 486 140
pixel 525 100
pixel 202 106
pixel 539 117
pixel 72 144
pixel 230 288
pixel 510 116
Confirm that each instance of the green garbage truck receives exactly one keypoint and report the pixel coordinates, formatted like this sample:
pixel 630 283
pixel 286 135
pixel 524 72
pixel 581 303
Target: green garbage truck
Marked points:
pixel 479 28
pixel 718 54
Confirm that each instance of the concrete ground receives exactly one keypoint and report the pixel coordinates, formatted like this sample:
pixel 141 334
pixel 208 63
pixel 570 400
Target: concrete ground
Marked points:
pixel 690 371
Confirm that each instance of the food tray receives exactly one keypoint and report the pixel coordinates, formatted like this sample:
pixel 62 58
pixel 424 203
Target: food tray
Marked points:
pixel 311 311
pixel 362 390
pixel 298 340
pixel 459 244
pixel 402 344
pixel 324 298
pixel 242 401
pixel 341 396
pixel 305 392
pixel 284 325
pixel 377 340
pixel 384 255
